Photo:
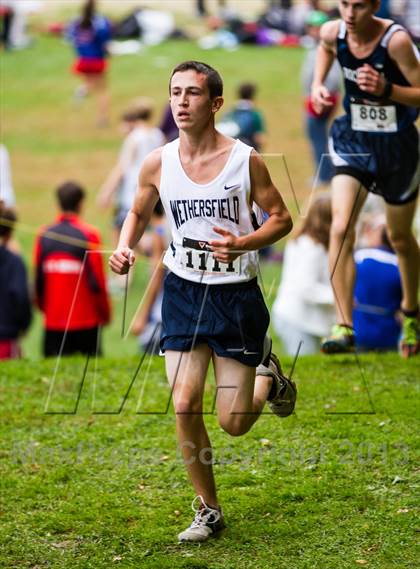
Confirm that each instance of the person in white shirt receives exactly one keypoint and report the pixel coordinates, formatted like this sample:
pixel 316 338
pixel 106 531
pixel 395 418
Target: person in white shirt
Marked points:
pixel 7 195
pixel 303 311
pixel 121 183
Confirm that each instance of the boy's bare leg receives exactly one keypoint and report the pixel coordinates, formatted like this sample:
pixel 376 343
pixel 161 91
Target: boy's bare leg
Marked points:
pixel 240 395
pixel 186 373
pixel 348 197
pixel 399 222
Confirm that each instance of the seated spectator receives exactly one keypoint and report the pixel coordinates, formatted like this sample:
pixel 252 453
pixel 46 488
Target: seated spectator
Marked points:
pixel 70 281
pixel 378 292
pixel 15 304
pixel 304 307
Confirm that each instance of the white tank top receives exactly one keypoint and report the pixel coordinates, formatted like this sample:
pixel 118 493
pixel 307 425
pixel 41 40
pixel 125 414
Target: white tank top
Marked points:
pixel 193 210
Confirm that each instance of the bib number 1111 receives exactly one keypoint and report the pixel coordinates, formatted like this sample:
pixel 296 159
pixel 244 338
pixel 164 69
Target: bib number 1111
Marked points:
pixel 204 261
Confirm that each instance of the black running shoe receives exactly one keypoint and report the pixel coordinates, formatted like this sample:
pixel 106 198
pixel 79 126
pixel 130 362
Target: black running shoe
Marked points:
pixel 284 392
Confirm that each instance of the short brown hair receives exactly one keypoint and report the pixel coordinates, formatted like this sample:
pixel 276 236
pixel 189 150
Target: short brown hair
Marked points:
pixel 140 109
pixel 247 91
pixel 214 81
pixel 69 195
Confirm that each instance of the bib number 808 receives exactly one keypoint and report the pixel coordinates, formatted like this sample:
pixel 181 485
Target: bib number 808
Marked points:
pixel 373 114
pixel 374 118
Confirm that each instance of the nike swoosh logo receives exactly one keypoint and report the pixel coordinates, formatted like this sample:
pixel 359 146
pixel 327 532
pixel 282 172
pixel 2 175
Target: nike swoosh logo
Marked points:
pixel 242 350
pixel 235 186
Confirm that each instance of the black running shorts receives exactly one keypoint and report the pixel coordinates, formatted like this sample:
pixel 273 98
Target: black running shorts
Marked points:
pixel 385 164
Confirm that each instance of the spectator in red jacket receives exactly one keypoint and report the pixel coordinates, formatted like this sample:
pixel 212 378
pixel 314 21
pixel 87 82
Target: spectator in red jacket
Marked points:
pixel 70 281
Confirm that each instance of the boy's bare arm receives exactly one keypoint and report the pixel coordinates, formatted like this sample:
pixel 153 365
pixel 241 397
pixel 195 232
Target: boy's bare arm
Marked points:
pixel 326 55
pixel 139 215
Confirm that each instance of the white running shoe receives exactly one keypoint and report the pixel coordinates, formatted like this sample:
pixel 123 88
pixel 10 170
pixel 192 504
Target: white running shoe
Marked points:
pixel 207 522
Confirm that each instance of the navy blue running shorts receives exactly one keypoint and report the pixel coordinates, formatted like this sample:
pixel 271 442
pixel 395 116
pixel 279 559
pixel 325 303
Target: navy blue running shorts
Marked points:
pixel 385 164
pixel 231 318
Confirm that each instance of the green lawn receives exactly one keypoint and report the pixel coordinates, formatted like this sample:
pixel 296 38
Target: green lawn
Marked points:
pixel 333 484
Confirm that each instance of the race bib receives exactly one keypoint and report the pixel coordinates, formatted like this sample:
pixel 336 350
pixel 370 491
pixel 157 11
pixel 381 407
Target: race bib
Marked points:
pixel 372 118
pixel 197 256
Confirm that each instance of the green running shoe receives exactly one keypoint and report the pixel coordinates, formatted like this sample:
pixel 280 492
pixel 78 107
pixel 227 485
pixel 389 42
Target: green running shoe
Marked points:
pixel 410 337
pixel 341 341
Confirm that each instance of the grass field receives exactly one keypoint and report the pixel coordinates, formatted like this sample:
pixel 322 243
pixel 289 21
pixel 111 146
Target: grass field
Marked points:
pixel 331 487
pixel 86 486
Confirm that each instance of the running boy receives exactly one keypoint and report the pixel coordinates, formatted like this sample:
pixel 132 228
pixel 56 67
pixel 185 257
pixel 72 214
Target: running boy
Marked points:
pixel 374 148
pixel 213 309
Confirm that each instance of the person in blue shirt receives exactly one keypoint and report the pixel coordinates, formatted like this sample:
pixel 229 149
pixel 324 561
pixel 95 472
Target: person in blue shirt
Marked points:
pixel 89 36
pixel 374 148
pixel 377 291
